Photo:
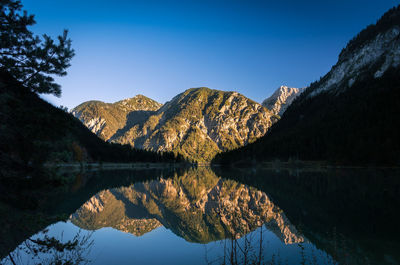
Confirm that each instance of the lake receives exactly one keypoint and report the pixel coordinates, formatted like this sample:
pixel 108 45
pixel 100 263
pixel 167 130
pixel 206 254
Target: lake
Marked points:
pixel 213 216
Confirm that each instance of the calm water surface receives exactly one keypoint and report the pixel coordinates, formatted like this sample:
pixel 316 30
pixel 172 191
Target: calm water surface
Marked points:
pixel 201 216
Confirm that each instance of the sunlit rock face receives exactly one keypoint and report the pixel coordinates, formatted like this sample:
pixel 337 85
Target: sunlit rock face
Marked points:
pixel 198 207
pixel 198 123
pixel 105 119
pixel 281 99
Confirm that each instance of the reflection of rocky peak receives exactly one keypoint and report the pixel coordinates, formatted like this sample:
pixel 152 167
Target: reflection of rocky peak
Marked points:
pixel 138 227
pixel 105 210
pixel 281 99
pixel 95 204
pixel 283 229
pixel 198 206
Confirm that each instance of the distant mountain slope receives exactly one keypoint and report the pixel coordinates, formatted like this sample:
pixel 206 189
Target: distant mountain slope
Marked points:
pixel 104 119
pixel 197 123
pixel 281 99
pixel 350 116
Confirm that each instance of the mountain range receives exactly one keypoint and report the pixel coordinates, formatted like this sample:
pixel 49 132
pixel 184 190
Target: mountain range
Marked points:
pixel 198 123
pixel 348 116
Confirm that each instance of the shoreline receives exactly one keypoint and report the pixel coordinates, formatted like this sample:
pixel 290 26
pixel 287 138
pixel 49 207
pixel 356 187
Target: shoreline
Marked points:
pixel 135 165
pixel 315 165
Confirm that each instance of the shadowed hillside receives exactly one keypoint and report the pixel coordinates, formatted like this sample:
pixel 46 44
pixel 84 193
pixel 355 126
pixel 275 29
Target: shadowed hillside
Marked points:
pixel 350 116
pixel 34 132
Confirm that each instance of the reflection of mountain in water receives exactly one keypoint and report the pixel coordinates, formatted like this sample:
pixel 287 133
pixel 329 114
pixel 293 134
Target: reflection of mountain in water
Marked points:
pixel 198 206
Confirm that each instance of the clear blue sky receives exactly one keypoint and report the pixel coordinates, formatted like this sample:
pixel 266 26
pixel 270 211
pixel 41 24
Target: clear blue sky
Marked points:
pixel 161 48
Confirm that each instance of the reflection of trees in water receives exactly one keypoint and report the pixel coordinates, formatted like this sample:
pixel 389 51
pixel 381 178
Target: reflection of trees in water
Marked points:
pixel 45 249
pixel 352 214
pixel 235 252
pixel 252 249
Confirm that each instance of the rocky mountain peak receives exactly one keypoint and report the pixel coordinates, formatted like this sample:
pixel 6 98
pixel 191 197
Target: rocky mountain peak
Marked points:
pixel 138 102
pixel 199 123
pixel 281 99
pixel 340 114
pixel 105 119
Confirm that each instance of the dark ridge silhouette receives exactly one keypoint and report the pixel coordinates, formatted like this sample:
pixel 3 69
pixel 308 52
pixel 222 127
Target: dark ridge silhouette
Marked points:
pixel 355 124
pixel 34 132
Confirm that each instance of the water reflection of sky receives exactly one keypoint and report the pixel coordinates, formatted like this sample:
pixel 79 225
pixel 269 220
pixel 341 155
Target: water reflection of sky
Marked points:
pixel 161 246
pixel 329 209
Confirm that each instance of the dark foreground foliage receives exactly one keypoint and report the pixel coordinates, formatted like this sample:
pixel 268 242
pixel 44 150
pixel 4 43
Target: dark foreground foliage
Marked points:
pixel 26 207
pixel 388 20
pixel 32 60
pixel 349 213
pixel 33 132
pixel 358 126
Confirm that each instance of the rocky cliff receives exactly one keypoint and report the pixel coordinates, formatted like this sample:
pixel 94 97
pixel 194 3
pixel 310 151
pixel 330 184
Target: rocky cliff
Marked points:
pixel 198 207
pixel 104 119
pixel 197 123
pixel 281 99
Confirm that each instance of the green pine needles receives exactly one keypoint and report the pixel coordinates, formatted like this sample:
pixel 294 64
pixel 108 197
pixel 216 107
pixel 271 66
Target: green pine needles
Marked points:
pixel 32 60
